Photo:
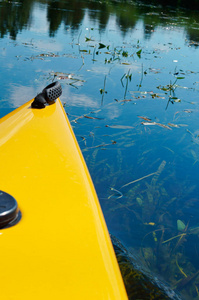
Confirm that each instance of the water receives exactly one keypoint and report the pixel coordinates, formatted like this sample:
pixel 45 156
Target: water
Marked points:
pixel 129 73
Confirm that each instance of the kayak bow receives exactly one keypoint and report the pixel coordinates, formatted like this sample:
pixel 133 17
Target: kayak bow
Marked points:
pixel 58 246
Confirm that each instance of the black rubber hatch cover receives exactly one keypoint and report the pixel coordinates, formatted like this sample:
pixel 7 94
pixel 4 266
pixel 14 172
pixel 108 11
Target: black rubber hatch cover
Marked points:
pixel 8 209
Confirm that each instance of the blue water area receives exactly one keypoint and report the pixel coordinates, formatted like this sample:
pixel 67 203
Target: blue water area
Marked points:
pixel 130 79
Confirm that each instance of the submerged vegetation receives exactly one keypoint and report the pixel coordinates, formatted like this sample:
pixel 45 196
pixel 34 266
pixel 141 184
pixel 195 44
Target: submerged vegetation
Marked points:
pixel 148 212
pixel 153 219
pixel 151 209
pixel 141 284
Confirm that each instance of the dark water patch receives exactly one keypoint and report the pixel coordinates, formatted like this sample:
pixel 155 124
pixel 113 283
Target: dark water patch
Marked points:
pixel 140 283
pixel 192 4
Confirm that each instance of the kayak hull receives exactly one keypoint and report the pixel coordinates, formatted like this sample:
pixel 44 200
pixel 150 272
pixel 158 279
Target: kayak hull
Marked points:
pixel 61 247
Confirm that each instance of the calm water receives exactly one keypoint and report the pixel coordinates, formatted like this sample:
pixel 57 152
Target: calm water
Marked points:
pixel 130 78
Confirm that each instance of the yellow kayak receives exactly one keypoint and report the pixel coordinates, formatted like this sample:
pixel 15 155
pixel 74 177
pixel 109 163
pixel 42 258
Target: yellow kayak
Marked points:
pixel 54 243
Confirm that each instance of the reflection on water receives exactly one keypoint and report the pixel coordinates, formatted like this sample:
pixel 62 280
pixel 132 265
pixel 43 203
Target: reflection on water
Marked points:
pixel 129 74
pixel 72 13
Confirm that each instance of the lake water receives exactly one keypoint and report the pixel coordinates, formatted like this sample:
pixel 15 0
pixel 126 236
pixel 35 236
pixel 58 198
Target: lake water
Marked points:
pixel 130 78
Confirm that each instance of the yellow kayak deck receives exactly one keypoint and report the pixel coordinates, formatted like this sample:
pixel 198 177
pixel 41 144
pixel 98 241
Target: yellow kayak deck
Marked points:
pixel 60 249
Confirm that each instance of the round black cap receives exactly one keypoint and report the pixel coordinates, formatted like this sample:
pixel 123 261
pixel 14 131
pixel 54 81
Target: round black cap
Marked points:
pixel 8 209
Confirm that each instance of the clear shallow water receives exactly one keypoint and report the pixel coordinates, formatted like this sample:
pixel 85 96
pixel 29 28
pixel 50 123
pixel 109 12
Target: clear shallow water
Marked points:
pixel 130 82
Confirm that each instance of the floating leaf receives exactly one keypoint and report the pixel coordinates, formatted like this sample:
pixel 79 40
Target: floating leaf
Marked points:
pixel 173 125
pixel 149 123
pixel 180 225
pixel 139 53
pixel 88 117
pixel 125 54
pixel 155 95
pixel 48 55
pixel 88 39
pixel 101 46
pixel 124 100
pixel 154 123
pixel 119 126
pixel 144 118
pixel 164 126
